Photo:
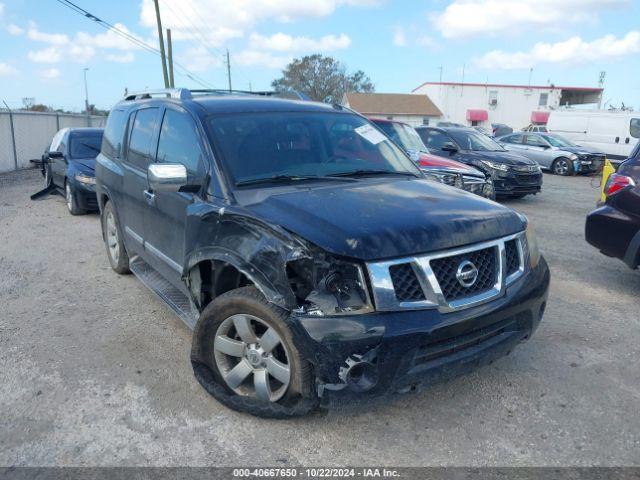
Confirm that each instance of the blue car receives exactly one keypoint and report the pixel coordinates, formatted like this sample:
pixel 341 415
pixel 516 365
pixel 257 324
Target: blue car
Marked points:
pixel 69 167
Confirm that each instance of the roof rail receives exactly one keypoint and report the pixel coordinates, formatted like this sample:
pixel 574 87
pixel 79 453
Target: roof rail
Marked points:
pixel 185 94
pixel 180 93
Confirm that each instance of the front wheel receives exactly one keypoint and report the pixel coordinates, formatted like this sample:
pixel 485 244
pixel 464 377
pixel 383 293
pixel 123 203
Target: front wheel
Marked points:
pixel 562 166
pixel 244 356
pixel 112 235
pixel 72 202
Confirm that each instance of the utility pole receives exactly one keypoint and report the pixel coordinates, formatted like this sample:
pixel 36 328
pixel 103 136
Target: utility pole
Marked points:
pixel 86 94
pixel 229 70
pixel 161 40
pixel 170 55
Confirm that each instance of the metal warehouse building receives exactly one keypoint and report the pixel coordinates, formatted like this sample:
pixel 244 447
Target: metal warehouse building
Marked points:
pixel 515 105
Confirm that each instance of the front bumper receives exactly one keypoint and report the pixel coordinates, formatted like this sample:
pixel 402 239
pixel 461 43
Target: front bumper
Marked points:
pixel 513 183
pixel 410 349
pixel 588 164
pixel 85 195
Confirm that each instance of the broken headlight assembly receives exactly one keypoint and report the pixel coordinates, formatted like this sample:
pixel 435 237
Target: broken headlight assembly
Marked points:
pixel 325 285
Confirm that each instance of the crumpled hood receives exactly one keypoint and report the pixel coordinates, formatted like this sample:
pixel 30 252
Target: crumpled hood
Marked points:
pixel 508 158
pixel 428 161
pixel 582 150
pixel 374 219
pixel 87 165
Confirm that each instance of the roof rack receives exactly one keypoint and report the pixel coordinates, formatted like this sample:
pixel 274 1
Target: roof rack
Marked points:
pixel 186 94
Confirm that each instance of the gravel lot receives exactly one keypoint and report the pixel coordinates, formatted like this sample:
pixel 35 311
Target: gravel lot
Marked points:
pixel 94 369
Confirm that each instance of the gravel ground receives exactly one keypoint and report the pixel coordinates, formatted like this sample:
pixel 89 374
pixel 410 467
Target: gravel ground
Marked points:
pixel 94 369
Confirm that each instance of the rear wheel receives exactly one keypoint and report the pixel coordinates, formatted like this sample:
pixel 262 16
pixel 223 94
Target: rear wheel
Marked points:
pixel 244 356
pixel 562 166
pixel 112 235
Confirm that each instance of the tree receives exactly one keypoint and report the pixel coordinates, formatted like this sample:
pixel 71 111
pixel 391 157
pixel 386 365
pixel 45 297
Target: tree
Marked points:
pixel 323 79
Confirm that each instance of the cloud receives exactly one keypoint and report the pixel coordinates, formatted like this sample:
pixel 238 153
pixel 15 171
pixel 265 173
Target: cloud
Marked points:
pixel 121 58
pixel 199 59
pixel 465 18
pixel 47 55
pixel 399 37
pixel 216 20
pixel 250 58
pixel 109 39
pixel 50 73
pixel 7 70
pixel 51 38
pixel 573 51
pixel 281 42
pixel 14 30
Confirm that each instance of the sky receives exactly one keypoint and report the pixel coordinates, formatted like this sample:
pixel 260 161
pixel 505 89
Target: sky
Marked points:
pixel 45 46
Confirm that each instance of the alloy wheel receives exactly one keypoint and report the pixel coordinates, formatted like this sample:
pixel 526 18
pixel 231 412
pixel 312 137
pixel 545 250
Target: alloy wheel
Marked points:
pixel 561 167
pixel 252 358
pixel 112 237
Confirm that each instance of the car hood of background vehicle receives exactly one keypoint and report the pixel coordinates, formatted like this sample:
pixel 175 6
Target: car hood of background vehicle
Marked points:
pixel 85 164
pixel 427 161
pixel 376 219
pixel 507 158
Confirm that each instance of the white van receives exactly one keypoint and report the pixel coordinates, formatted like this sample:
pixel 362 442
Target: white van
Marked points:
pixel 614 133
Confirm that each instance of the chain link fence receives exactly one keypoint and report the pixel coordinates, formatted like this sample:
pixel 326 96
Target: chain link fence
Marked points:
pixel 25 135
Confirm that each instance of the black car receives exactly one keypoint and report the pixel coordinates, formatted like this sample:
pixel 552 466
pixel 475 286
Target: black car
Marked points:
pixel 309 254
pixel 513 175
pixel 69 166
pixel 614 228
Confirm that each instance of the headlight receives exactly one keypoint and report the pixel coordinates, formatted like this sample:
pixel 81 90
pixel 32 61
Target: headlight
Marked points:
pixel 573 156
pixel 85 179
pixel 532 246
pixel 495 166
pixel 327 286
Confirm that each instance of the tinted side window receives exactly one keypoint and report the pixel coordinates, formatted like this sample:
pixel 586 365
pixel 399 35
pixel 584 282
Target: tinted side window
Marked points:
pixel 517 138
pixel 435 139
pixel 144 124
pixel 535 141
pixel 634 127
pixel 113 132
pixel 179 142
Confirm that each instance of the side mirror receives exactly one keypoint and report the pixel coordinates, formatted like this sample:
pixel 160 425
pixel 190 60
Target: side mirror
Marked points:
pixel 55 154
pixel 449 147
pixel 166 177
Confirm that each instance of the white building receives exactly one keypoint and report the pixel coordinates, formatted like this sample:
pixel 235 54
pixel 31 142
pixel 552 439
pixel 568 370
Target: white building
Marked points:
pixel 514 105
pixel 404 107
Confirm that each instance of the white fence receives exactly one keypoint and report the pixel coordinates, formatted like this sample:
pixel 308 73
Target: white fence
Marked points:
pixel 25 135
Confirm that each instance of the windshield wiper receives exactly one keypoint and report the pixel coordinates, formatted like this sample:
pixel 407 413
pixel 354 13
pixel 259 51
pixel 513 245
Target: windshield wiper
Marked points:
pixel 288 178
pixel 358 173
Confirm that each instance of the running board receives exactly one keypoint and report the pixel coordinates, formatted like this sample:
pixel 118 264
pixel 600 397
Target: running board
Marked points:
pixel 174 298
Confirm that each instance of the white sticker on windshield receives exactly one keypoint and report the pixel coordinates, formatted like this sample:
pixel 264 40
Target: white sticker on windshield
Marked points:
pixel 370 134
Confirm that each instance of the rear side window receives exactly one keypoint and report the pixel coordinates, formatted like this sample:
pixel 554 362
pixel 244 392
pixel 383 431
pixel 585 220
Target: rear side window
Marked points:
pixel 634 127
pixel 140 142
pixel 112 140
pixel 179 141
pixel 535 141
pixel 517 138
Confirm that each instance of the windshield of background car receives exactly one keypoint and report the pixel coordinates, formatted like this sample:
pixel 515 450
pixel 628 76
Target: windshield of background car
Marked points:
pixel 85 145
pixel 475 141
pixel 558 141
pixel 256 146
pixel 403 135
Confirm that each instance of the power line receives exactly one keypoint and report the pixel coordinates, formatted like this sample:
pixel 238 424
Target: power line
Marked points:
pixel 108 26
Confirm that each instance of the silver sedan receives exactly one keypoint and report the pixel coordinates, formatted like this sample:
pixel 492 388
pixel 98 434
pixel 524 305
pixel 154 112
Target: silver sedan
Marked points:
pixel 537 148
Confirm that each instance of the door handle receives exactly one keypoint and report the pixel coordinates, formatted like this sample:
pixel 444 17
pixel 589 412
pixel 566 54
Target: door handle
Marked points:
pixel 626 140
pixel 617 139
pixel 149 196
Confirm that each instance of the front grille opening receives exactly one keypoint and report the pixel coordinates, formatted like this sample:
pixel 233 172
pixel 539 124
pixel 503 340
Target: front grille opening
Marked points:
pixel 446 269
pixel 513 257
pixel 405 283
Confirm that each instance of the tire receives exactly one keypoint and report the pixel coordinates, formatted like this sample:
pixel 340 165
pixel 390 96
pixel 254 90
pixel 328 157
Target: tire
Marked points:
pixel 253 361
pixel 562 166
pixel 70 199
pixel 112 235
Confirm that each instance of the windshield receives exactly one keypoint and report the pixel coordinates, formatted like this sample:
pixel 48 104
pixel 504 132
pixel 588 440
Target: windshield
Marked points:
pixel 403 135
pixel 475 141
pixel 558 141
pixel 85 145
pixel 277 145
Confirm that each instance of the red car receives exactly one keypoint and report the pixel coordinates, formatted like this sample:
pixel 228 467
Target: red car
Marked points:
pixel 436 168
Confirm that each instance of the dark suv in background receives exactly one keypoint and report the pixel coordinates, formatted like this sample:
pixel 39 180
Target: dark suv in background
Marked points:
pixel 614 228
pixel 513 175
pixel 309 254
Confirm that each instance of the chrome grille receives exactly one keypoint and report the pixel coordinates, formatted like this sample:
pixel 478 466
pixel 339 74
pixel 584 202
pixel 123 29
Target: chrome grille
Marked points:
pixel 434 281
pixel 445 270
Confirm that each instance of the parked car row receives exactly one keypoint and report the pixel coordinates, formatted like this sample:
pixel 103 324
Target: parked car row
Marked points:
pixel 309 251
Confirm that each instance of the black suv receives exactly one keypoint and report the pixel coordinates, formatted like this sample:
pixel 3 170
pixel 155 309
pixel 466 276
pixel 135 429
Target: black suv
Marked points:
pixel 309 254
pixel 513 175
